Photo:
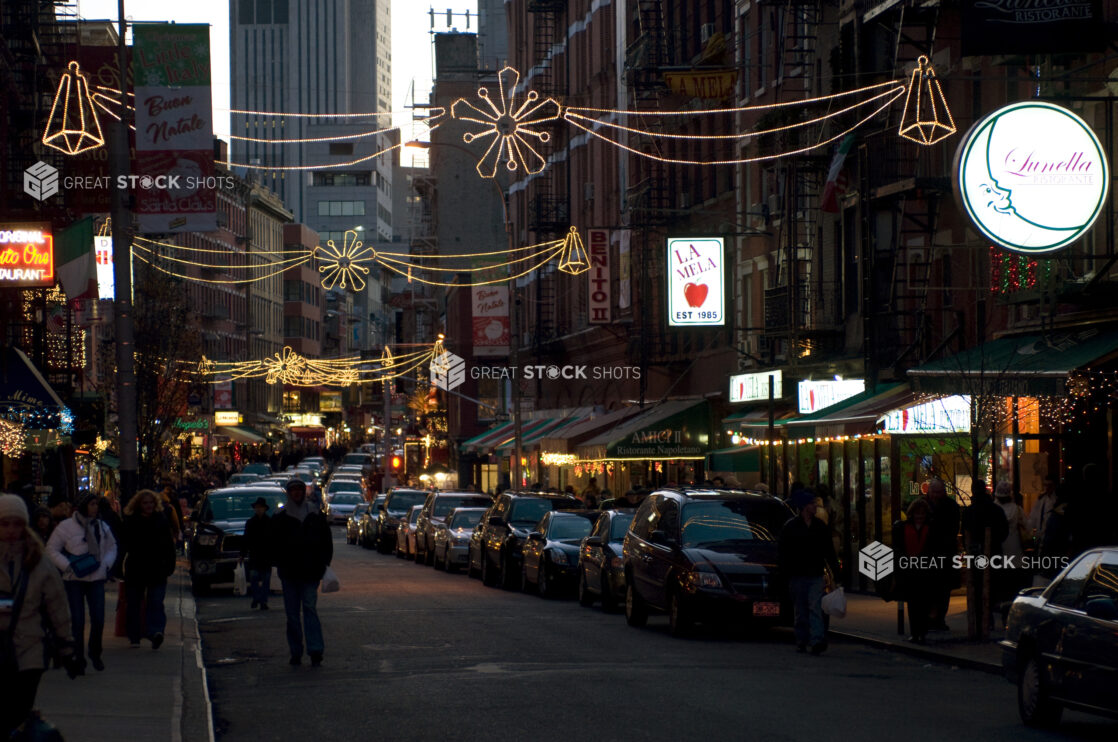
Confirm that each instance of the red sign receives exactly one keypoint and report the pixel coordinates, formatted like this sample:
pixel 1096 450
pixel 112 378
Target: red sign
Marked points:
pixel 491 320
pixel 598 247
pixel 26 255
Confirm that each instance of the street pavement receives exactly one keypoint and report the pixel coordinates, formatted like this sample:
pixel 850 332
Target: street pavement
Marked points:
pixel 416 654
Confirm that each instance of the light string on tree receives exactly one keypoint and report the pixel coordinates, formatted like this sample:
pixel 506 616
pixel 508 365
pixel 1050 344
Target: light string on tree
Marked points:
pixel 12 439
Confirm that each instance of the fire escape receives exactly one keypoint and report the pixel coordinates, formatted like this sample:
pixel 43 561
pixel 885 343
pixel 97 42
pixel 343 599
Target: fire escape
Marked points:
pixel 903 182
pixel 549 207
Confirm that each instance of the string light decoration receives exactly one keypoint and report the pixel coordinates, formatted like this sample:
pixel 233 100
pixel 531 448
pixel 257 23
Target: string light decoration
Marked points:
pixel 926 119
pixel 40 418
pixel 72 126
pixel 13 442
pixel 574 259
pixel 290 368
pixel 346 264
pixel 1011 272
pixel 511 124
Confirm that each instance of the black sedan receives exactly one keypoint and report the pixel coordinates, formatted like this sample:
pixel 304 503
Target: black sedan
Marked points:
pixel 702 555
pixel 550 554
pixel 217 527
pixel 394 511
pixel 353 523
pixel 1061 645
pixel 452 537
pixel 601 568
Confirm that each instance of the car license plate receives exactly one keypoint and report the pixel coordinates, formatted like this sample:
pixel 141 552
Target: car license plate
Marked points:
pixel 766 609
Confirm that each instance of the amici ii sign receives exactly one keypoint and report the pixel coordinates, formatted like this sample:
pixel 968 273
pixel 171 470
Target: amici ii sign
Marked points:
pixel 1032 176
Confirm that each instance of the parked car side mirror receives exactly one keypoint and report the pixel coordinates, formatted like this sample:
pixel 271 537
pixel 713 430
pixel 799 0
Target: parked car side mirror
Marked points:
pixel 594 542
pixel 660 538
pixel 535 536
pixel 495 520
pixel 1105 609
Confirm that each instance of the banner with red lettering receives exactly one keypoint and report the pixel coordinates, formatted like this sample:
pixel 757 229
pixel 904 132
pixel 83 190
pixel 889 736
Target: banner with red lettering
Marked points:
pixel 491 321
pixel 597 246
pixel 174 174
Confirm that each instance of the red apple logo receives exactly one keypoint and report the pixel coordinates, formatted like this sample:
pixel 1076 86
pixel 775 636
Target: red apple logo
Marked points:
pixel 696 294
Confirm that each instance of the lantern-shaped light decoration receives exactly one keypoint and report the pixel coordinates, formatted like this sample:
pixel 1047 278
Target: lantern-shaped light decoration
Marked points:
pixel 73 127
pixel 926 119
pixel 574 259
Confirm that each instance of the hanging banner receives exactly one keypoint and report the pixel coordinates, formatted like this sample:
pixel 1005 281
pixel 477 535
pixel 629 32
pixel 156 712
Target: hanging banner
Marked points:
pixel 491 321
pixel 223 395
pixel 173 176
pixel 1032 27
pixel 624 269
pixel 597 245
pixel 695 279
pixel 708 84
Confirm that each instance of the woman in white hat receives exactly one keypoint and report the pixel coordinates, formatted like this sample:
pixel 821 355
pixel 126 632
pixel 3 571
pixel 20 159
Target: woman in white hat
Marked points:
pixel 30 588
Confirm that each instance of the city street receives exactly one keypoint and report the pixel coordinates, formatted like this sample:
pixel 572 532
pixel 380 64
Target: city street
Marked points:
pixel 416 654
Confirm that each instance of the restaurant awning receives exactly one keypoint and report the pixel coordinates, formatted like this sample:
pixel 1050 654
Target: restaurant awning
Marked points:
pixel 562 439
pixel 307 431
pixel 487 438
pixel 531 434
pixel 23 390
pixel 758 416
pixel 670 430
pixel 1018 366
pixel 239 433
pixel 857 415
pixel 736 459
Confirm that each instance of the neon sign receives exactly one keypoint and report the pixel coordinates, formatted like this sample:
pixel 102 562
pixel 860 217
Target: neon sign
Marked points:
pixel 26 255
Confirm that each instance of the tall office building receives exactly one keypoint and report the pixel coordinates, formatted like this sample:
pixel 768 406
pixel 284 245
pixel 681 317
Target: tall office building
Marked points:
pixel 316 57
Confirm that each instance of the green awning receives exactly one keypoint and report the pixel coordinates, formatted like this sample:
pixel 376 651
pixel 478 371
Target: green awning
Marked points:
pixel 855 415
pixel 531 433
pixel 488 438
pixel 673 429
pixel 736 459
pixel 240 433
pixel 109 461
pixel 1018 366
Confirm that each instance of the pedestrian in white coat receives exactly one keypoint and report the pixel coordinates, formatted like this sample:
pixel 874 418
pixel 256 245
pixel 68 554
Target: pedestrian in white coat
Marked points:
pixel 84 550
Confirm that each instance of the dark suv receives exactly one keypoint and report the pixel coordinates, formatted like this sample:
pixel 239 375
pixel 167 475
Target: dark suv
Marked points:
pixel 434 513
pixel 393 512
pixel 497 544
pixel 705 554
pixel 218 527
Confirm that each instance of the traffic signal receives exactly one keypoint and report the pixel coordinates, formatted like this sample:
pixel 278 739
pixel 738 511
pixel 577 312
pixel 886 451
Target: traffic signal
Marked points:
pixel 396 463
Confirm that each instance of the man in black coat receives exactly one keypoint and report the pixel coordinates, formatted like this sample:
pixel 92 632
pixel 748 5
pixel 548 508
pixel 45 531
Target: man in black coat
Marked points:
pixel 256 553
pixel 805 550
pixel 944 536
pixel 303 548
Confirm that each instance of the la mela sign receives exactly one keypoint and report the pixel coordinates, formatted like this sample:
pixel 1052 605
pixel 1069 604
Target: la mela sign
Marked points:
pixel 695 281
pixel 1032 177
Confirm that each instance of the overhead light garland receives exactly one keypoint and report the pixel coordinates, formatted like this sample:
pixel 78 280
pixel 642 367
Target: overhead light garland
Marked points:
pixel 293 369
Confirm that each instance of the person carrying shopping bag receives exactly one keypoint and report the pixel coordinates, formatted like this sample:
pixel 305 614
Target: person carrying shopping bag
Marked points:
pixel 84 550
pixel 149 559
pixel 256 553
pixel 31 590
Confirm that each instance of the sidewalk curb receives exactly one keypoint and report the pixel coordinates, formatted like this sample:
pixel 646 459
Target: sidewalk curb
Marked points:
pixel 195 714
pixel 922 652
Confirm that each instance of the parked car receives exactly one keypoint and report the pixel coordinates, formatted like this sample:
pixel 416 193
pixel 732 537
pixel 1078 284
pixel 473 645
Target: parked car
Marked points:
pixel 600 564
pixel 341 505
pixel 217 527
pixel 452 537
pixel 392 512
pixel 435 510
pixel 351 486
pixel 702 554
pixel 495 548
pixel 364 460
pixel 1060 646
pixel 367 527
pixel 260 468
pixel 353 523
pixel 550 557
pixel 243 478
pixel 405 533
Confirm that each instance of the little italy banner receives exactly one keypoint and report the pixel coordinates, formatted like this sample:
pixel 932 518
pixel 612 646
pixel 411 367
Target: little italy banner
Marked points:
pixel 174 129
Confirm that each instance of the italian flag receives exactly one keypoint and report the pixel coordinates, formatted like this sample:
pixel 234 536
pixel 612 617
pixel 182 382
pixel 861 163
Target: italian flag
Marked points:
pixel 836 177
pixel 76 262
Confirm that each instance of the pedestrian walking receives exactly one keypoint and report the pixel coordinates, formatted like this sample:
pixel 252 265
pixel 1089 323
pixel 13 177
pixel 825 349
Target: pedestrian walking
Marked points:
pixel 591 495
pixel 980 519
pixel 256 553
pixel 42 523
pixel 944 520
pixel 149 559
pixel 805 551
pixel 84 550
pixel 1042 509
pixel 1012 576
pixel 31 597
pixel 913 553
pixel 303 548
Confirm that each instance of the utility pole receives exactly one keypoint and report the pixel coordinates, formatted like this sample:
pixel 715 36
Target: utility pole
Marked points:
pixel 122 276
pixel 514 359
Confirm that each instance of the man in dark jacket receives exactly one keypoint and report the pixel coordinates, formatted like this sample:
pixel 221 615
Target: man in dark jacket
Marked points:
pixel 256 553
pixel 303 548
pixel 805 549
pixel 944 537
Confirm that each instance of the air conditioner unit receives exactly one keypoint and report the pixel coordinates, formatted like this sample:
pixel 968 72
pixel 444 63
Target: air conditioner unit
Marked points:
pixel 705 32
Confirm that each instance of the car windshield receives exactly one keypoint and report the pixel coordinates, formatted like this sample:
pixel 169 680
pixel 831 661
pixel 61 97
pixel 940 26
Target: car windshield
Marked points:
pixel 345 499
pixel 355 458
pixel 238 505
pixel 444 505
pixel 619 526
pixel 467 519
pixel 529 511
pixel 345 485
pixel 399 502
pixel 263 469
pixel 732 521
pixel 360 509
pixel 573 527
pixel 413 515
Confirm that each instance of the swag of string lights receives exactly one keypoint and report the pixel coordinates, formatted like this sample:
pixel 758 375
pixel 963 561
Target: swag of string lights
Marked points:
pixel 345 266
pixel 293 369
pixel 515 127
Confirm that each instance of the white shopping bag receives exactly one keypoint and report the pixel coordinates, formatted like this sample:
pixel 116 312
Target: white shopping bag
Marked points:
pixel 330 582
pixel 240 581
pixel 834 603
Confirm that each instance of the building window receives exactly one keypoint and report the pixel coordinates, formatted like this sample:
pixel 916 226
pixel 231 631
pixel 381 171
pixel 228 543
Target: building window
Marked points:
pixel 341 208
pixel 341 148
pixel 355 178
pixel 246 16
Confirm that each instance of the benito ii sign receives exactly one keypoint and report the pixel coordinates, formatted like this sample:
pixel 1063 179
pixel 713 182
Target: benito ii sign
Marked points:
pixel 1032 177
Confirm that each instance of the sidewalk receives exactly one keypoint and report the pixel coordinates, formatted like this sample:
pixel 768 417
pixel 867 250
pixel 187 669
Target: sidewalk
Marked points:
pixel 871 620
pixel 142 694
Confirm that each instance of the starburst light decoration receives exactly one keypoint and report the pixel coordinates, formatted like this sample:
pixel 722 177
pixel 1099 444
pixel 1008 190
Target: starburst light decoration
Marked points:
pixel 511 124
pixel 574 259
pixel 345 266
pixel 287 367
